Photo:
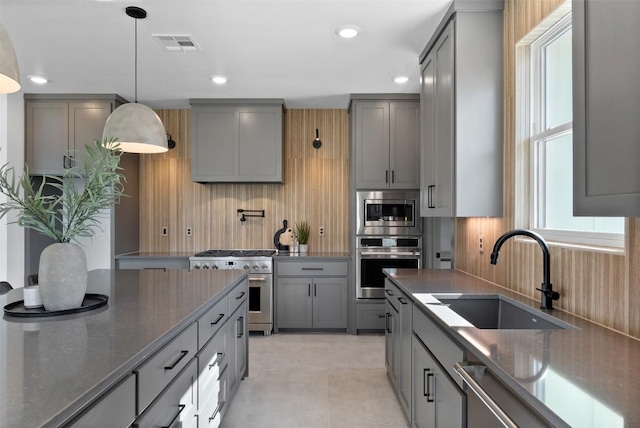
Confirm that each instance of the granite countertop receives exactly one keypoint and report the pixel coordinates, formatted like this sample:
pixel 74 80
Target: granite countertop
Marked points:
pixel 313 254
pixel 51 367
pixel 583 377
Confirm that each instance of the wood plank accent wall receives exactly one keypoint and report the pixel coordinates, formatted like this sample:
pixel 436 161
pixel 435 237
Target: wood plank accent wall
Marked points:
pixel 315 189
pixel 599 286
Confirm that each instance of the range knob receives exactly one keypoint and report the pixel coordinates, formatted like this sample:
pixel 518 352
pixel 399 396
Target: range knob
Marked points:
pixel 264 267
pixel 196 266
pixel 255 267
pixel 205 266
pixel 214 267
pixel 246 267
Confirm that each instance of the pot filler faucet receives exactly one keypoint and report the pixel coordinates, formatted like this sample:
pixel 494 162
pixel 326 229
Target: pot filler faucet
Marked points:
pixel 548 295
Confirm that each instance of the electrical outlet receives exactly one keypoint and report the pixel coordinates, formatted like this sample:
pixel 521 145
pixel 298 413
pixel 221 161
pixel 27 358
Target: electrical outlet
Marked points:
pixel 165 231
pixel 189 231
pixel 321 231
pixel 481 243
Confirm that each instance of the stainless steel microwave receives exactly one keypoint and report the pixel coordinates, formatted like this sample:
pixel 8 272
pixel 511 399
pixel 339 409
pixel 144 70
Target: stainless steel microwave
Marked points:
pixel 388 213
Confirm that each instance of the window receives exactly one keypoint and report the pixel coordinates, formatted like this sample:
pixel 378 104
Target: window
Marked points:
pixel 545 127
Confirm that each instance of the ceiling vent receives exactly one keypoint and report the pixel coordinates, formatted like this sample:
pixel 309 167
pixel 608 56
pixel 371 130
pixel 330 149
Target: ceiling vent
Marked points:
pixel 174 43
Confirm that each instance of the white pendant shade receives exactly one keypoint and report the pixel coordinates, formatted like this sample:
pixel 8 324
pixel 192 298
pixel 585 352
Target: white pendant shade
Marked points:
pixel 137 128
pixel 9 71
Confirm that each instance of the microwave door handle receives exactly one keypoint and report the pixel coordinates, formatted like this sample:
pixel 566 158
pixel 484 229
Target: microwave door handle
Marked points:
pixel 408 253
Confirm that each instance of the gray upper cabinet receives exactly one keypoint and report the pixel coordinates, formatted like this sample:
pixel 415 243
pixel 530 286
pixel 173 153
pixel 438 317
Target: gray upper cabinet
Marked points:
pixel 462 114
pixel 606 101
pixel 59 126
pixel 235 141
pixel 385 134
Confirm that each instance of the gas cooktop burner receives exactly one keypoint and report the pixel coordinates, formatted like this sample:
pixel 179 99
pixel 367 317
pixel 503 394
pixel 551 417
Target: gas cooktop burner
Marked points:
pixel 236 253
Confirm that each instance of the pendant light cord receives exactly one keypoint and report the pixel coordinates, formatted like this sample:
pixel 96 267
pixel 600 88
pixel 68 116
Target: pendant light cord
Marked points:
pixel 135 62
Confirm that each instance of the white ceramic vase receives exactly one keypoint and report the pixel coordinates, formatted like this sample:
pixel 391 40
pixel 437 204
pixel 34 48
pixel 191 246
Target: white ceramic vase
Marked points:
pixel 31 296
pixel 62 276
pixel 304 248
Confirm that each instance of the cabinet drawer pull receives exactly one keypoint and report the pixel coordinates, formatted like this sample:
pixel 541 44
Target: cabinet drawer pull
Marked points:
pixel 381 316
pixel 402 300
pixel 241 327
pixel 468 379
pixel 312 268
pixel 220 316
pixel 180 409
pixel 241 295
pixel 183 354
pixel 219 357
pixel 387 325
pixel 389 292
pixel 218 409
pixel 155 268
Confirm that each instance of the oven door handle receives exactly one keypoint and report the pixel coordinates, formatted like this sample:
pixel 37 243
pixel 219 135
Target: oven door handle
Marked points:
pixel 404 253
pixel 258 278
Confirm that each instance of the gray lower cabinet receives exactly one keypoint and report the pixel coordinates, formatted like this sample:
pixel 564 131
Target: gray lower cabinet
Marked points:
pixel 59 126
pixel 386 140
pixel 437 400
pixel 461 114
pixel 117 408
pixel 238 330
pixel 370 316
pixel 606 97
pixel 237 140
pixel 311 294
pixel 392 342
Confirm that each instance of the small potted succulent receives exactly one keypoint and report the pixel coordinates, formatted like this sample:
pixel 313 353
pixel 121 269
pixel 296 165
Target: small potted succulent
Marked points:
pixel 83 194
pixel 303 230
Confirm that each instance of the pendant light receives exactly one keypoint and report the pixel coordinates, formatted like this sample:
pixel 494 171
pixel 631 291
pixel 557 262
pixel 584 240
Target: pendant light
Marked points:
pixel 9 71
pixel 137 127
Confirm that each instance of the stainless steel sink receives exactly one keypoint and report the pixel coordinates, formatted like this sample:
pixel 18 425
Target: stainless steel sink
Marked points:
pixel 499 312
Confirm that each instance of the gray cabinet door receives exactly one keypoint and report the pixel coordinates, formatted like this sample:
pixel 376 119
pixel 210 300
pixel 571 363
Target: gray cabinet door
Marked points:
pixel 294 302
pixel 404 145
pixel 237 143
pixel 437 401
pixel 406 333
pixel 86 123
pixel 606 88
pixel 372 145
pixel 428 135
pixel 47 136
pixel 237 331
pixel 392 344
pixel 330 303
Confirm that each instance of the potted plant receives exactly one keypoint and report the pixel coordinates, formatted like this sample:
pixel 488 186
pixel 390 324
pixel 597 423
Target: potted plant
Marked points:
pixel 83 194
pixel 303 230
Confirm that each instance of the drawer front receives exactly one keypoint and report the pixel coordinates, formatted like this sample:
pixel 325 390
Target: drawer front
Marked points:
pixel 177 405
pixel 370 317
pixel 391 293
pixel 212 361
pixel 153 264
pixel 115 409
pixel 440 345
pixel 155 374
pixel 212 320
pixel 214 409
pixel 313 268
pixel 238 295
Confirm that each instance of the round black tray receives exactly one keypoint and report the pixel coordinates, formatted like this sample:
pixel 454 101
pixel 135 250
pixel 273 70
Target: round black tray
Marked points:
pixel 90 302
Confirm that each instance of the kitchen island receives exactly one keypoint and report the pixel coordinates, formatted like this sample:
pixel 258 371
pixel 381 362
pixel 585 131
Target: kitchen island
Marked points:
pixel 582 376
pixel 54 369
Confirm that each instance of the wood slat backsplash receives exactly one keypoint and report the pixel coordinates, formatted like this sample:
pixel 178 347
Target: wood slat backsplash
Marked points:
pixel 602 287
pixel 315 189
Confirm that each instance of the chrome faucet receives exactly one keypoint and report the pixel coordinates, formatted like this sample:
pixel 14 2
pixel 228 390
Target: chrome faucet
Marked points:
pixel 548 295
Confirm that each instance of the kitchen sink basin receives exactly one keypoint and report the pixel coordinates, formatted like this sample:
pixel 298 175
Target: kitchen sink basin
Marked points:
pixel 499 312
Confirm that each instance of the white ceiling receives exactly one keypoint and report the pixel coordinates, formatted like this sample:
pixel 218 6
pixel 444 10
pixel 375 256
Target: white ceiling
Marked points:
pixel 267 48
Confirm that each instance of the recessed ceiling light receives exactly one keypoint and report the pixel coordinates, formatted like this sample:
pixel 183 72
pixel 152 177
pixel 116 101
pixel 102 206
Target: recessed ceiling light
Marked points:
pixel 219 80
pixel 348 32
pixel 38 79
pixel 401 79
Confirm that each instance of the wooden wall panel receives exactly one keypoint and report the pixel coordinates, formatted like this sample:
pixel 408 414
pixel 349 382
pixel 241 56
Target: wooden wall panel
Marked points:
pixel 315 189
pixel 600 286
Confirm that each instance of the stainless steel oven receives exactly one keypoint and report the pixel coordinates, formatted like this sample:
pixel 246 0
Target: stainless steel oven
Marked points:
pixel 373 254
pixel 388 213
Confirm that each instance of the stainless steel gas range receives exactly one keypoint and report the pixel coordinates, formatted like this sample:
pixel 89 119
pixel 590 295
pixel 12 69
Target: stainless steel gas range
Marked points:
pixel 259 263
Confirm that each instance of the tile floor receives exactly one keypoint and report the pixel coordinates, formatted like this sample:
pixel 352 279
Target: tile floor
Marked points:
pixel 315 380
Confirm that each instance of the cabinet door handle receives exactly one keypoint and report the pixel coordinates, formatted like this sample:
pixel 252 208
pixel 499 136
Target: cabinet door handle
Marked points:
pixel 218 409
pixel 180 409
pixel 386 176
pixel 309 289
pixel 219 357
pixel 427 384
pixel 220 316
pixel 430 190
pixel 393 176
pixel 183 354
pixel 402 300
pixel 468 379
pixel 387 326
pixel 315 289
pixel 64 161
pixel 241 295
pixel 241 328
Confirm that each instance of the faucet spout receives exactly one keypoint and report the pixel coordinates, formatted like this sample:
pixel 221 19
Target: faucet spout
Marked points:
pixel 548 295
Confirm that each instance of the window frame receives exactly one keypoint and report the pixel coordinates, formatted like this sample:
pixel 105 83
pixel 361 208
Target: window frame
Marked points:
pixel 531 134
